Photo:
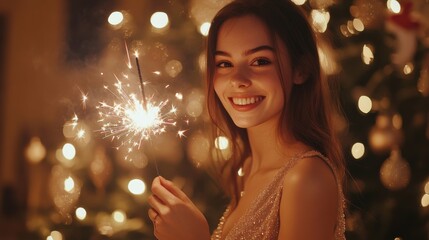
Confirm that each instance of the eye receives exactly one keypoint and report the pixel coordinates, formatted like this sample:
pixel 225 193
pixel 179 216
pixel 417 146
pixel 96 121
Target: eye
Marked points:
pixel 223 64
pixel 261 62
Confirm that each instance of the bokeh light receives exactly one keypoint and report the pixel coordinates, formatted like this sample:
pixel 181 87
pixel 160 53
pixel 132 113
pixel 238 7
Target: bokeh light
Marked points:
pixel 115 18
pixel 221 143
pixel 159 20
pixel 240 172
pixel 55 235
pixel 367 54
pixel 119 216
pixel 173 68
pixel 393 6
pixel 198 148
pixel 80 213
pixel 320 19
pixel 358 25
pixel 358 150
pixel 35 151
pixel 69 151
pixel 408 68
pixel 136 186
pixel 299 2
pixel 204 28
pixel 365 104
pixel 69 184
pixel 425 200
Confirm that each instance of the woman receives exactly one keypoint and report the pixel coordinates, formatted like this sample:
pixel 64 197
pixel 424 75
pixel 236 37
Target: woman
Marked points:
pixel 266 93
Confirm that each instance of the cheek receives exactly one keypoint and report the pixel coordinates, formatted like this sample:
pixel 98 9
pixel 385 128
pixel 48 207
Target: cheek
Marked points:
pixel 218 87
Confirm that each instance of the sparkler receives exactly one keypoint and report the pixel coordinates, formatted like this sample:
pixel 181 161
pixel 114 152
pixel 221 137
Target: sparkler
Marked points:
pixel 132 120
pixel 128 118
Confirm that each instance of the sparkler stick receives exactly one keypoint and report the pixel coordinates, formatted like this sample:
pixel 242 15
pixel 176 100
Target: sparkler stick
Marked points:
pixel 142 84
pixel 144 100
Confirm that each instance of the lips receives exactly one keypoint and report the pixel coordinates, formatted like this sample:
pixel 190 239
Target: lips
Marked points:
pixel 245 103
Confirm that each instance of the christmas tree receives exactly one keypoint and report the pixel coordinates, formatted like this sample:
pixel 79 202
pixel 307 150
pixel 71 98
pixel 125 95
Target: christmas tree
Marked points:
pixel 99 174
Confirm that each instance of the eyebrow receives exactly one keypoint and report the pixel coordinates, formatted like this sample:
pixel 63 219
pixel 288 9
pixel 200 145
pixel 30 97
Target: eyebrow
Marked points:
pixel 247 52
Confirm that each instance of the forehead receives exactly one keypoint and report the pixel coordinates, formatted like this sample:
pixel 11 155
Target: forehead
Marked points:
pixel 242 33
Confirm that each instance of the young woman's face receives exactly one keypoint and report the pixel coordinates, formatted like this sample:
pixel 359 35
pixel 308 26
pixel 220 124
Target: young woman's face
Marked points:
pixel 246 79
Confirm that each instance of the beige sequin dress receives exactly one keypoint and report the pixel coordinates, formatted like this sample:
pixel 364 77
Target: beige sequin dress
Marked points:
pixel 262 220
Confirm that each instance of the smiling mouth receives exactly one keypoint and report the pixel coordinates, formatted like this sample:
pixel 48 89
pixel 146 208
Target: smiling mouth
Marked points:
pixel 243 101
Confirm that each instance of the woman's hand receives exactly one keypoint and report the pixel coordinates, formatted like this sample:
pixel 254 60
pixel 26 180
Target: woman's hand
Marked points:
pixel 173 214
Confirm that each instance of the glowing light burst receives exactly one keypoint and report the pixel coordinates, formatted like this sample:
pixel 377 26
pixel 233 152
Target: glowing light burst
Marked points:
pixel 128 116
pixel 128 119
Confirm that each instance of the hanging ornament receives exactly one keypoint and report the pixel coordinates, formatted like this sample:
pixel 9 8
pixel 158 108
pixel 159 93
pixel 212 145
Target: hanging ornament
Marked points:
pixel 385 134
pixel 423 82
pixel 370 12
pixel 100 168
pixel 395 172
pixel 404 28
pixel 65 191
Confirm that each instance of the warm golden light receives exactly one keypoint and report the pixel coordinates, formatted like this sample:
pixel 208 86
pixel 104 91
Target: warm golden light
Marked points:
pixel 35 151
pixel 358 25
pixel 393 6
pixel 69 184
pixel 365 104
pixel 367 54
pixel 240 172
pixel 159 20
pixel 115 18
pixel 119 216
pixel 80 213
pixel 80 133
pixel 221 143
pixel 129 118
pixel 69 151
pixel 320 19
pixel 204 28
pixel 136 186
pixel 195 103
pixel 179 96
pixel 358 150
pixel 173 68
pixel 408 68
pixel 425 200
pixel 55 235
pixel 299 2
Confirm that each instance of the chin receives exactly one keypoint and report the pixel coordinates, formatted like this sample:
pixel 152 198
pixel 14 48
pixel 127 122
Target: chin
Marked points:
pixel 243 124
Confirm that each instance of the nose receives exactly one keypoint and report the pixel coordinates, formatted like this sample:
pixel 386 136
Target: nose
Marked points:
pixel 239 79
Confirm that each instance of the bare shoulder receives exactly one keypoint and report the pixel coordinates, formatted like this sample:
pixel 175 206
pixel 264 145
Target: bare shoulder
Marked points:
pixel 309 201
pixel 311 175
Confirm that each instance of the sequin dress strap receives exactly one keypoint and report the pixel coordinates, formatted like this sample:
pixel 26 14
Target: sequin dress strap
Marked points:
pixel 262 220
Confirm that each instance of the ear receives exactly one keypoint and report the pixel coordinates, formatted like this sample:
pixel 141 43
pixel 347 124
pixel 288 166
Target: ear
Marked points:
pixel 300 76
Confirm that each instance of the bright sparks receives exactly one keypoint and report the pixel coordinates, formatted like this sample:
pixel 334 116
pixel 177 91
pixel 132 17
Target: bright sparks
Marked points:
pixel 127 117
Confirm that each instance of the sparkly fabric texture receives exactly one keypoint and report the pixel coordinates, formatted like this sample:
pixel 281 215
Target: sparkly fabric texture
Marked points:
pixel 262 220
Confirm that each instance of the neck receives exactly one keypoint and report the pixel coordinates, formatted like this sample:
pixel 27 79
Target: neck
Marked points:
pixel 269 150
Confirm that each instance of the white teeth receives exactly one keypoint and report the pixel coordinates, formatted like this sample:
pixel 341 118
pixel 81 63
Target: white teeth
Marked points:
pixel 246 101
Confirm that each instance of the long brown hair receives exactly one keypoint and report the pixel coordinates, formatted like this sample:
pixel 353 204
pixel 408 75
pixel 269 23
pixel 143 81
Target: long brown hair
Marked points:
pixel 308 109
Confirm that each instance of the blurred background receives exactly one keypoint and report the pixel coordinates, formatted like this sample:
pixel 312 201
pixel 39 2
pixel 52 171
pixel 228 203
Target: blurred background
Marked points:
pixel 74 165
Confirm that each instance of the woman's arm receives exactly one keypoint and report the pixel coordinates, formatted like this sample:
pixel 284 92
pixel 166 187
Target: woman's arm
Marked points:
pixel 309 205
pixel 174 215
